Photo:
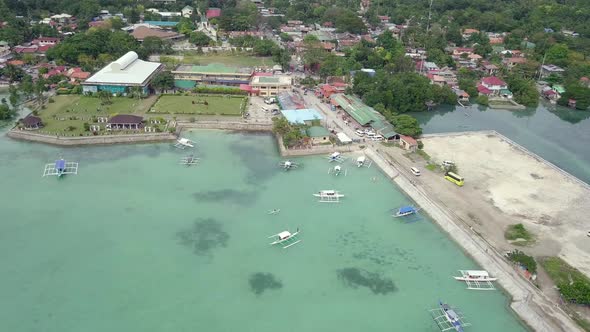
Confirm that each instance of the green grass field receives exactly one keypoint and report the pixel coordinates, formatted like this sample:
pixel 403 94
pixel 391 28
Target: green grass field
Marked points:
pixel 67 115
pixel 518 235
pixel 216 105
pixel 561 272
pixel 228 59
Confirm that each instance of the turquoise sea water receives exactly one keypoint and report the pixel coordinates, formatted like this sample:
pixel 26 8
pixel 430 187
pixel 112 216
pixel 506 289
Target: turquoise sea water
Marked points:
pixel 137 242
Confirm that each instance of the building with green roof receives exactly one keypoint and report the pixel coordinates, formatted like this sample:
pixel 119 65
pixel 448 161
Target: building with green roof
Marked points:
pixel 213 74
pixel 364 114
pixel 355 107
pixel 318 135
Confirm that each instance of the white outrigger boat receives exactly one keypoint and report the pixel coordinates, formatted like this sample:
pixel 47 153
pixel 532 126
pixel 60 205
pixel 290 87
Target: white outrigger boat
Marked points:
pixel 328 196
pixel 274 211
pixel 288 164
pixel 285 238
pixel 336 156
pixel 182 143
pixel 362 161
pixel 337 170
pixel 477 279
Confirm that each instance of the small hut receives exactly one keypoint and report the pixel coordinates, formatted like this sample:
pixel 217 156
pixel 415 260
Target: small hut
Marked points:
pixel 32 122
pixel 125 122
pixel 408 143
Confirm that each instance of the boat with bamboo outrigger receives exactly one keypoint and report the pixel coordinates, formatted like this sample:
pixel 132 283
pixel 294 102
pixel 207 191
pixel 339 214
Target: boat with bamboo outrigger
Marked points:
pixel 288 164
pixel 60 167
pixel 183 143
pixel 285 238
pixel 405 211
pixel 362 161
pixel 329 196
pixel 189 160
pixel 477 279
pixel 448 318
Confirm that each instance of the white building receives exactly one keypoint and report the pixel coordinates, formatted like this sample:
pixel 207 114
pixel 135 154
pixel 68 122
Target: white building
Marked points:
pixel 126 72
pixel 271 85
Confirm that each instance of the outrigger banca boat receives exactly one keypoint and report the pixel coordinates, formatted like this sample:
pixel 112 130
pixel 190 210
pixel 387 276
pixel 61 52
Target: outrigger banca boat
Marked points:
pixel 182 143
pixel 448 318
pixel 337 170
pixel 275 211
pixel 477 279
pixel 405 211
pixel 60 167
pixel 363 162
pixel 285 238
pixel 478 275
pixel 189 160
pixel 288 164
pixel 329 196
pixel 336 156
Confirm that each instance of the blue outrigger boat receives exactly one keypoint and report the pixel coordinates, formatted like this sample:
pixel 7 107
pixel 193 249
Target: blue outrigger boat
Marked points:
pixel 60 167
pixel 448 318
pixel 405 211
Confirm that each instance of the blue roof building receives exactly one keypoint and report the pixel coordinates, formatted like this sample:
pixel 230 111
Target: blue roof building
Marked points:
pixel 166 24
pixel 304 116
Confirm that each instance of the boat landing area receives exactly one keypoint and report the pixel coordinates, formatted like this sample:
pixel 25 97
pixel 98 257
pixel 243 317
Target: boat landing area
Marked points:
pixel 504 184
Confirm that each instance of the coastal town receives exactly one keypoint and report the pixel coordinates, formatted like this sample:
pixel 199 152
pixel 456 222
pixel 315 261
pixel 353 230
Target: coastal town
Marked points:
pixel 339 81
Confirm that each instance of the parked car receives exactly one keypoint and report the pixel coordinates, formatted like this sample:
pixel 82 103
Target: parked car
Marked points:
pixel 360 133
pixel 377 138
pixel 448 163
pixel 415 171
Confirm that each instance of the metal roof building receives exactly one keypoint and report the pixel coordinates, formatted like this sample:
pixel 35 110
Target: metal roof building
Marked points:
pixel 363 114
pixel 355 107
pixel 303 116
pixel 125 72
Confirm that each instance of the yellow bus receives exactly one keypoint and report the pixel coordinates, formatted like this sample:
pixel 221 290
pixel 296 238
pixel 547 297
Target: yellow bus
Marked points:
pixel 456 179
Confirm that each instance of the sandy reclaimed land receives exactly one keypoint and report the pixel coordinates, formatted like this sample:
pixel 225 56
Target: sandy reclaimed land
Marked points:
pixel 506 185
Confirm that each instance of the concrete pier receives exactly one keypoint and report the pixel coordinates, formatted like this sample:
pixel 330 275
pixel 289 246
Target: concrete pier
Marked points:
pixel 534 308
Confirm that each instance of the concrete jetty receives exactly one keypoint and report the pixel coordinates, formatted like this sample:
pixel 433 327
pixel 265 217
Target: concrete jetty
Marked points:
pixel 533 307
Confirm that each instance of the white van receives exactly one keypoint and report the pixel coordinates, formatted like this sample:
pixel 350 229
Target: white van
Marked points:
pixel 377 138
pixel 360 133
pixel 370 135
pixel 415 171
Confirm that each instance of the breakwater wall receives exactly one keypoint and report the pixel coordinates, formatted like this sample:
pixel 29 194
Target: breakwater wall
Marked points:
pixel 90 140
pixel 315 150
pixel 224 125
pixel 528 302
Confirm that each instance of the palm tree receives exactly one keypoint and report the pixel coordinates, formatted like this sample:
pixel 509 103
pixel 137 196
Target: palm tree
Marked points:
pixel 104 96
pixel 136 91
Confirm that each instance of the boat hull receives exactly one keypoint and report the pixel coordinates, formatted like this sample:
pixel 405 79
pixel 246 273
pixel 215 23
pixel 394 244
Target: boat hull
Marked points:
pixel 475 279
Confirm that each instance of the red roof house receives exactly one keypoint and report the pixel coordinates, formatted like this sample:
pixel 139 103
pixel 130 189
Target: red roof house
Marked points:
pixel 213 12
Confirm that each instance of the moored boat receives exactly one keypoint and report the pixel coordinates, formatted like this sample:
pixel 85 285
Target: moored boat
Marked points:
pixel 475 275
pixel 452 317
